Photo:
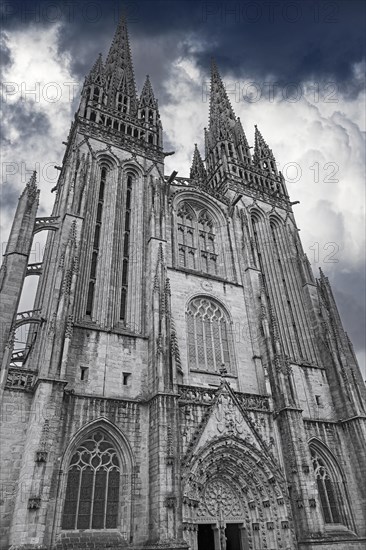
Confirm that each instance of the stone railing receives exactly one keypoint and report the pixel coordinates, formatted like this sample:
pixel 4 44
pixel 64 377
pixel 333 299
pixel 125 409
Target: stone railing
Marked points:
pixel 34 269
pixel 206 396
pixel 20 379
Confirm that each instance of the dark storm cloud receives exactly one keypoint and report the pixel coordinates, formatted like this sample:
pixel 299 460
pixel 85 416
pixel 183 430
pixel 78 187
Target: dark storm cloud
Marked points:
pixel 9 197
pixel 351 306
pixel 25 120
pixel 5 54
pixel 294 41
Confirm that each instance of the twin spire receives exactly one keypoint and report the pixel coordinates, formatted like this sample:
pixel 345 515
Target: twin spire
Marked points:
pixel 117 74
pixel 226 146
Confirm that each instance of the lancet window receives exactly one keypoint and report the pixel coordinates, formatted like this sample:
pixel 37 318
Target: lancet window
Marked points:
pixel 126 249
pixel 207 243
pixel 330 487
pixel 96 243
pixel 196 240
pixel 186 237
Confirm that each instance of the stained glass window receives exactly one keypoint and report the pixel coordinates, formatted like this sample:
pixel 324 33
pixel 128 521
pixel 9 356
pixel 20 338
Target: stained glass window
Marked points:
pixel 186 240
pixel 92 490
pixel 329 488
pixel 208 335
pixel 196 240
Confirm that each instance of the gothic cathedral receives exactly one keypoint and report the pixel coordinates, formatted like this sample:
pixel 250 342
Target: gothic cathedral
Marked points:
pixel 186 382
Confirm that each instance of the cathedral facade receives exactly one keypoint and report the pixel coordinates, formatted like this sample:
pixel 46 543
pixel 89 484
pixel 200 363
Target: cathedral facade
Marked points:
pixel 186 381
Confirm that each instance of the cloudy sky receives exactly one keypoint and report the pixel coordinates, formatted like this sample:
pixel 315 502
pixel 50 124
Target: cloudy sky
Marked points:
pixel 294 68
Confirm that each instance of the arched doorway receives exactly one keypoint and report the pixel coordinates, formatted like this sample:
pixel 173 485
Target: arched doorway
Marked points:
pixel 221 503
pixel 234 499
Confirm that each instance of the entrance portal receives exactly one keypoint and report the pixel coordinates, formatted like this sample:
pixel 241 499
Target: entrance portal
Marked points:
pixel 205 537
pixel 232 534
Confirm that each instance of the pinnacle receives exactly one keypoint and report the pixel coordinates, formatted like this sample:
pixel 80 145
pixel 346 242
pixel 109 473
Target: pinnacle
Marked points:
pixel 97 68
pixel 198 171
pixel 98 63
pixel 147 97
pixel 261 149
pixel 31 190
pixel 33 179
pixel 32 183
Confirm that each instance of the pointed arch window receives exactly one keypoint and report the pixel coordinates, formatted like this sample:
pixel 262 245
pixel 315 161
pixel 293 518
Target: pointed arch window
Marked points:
pixel 126 249
pixel 196 239
pixel 96 94
pixel 207 243
pixel 122 102
pixel 330 486
pixel 186 237
pixel 209 340
pixel 96 242
pixel 92 490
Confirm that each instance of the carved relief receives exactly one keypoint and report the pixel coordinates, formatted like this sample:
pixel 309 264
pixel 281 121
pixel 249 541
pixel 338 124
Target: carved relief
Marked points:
pixel 229 418
pixel 221 501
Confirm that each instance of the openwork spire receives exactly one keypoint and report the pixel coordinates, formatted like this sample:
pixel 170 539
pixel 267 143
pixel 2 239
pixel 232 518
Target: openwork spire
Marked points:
pixel 147 98
pixel 222 117
pixel 226 147
pixel 198 171
pixel 118 66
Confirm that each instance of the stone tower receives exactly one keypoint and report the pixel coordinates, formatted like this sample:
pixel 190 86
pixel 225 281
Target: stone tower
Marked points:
pixel 186 381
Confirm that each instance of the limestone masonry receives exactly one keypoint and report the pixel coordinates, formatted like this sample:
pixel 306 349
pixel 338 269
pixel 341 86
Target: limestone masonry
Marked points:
pixel 186 381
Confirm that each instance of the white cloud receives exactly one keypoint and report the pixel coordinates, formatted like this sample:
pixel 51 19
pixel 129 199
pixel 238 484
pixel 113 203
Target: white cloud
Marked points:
pixel 323 140
pixel 34 124
pixel 305 132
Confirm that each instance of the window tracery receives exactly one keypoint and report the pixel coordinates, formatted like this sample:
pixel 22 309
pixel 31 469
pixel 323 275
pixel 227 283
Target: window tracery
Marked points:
pixel 196 238
pixel 92 491
pixel 208 335
pixel 207 243
pixel 186 240
pixel 330 488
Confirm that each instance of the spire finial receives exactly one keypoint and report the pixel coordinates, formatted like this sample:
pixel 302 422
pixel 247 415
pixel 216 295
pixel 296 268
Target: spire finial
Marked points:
pixel 221 115
pixel 119 66
pixel 31 189
pixel 33 178
pixel 198 171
